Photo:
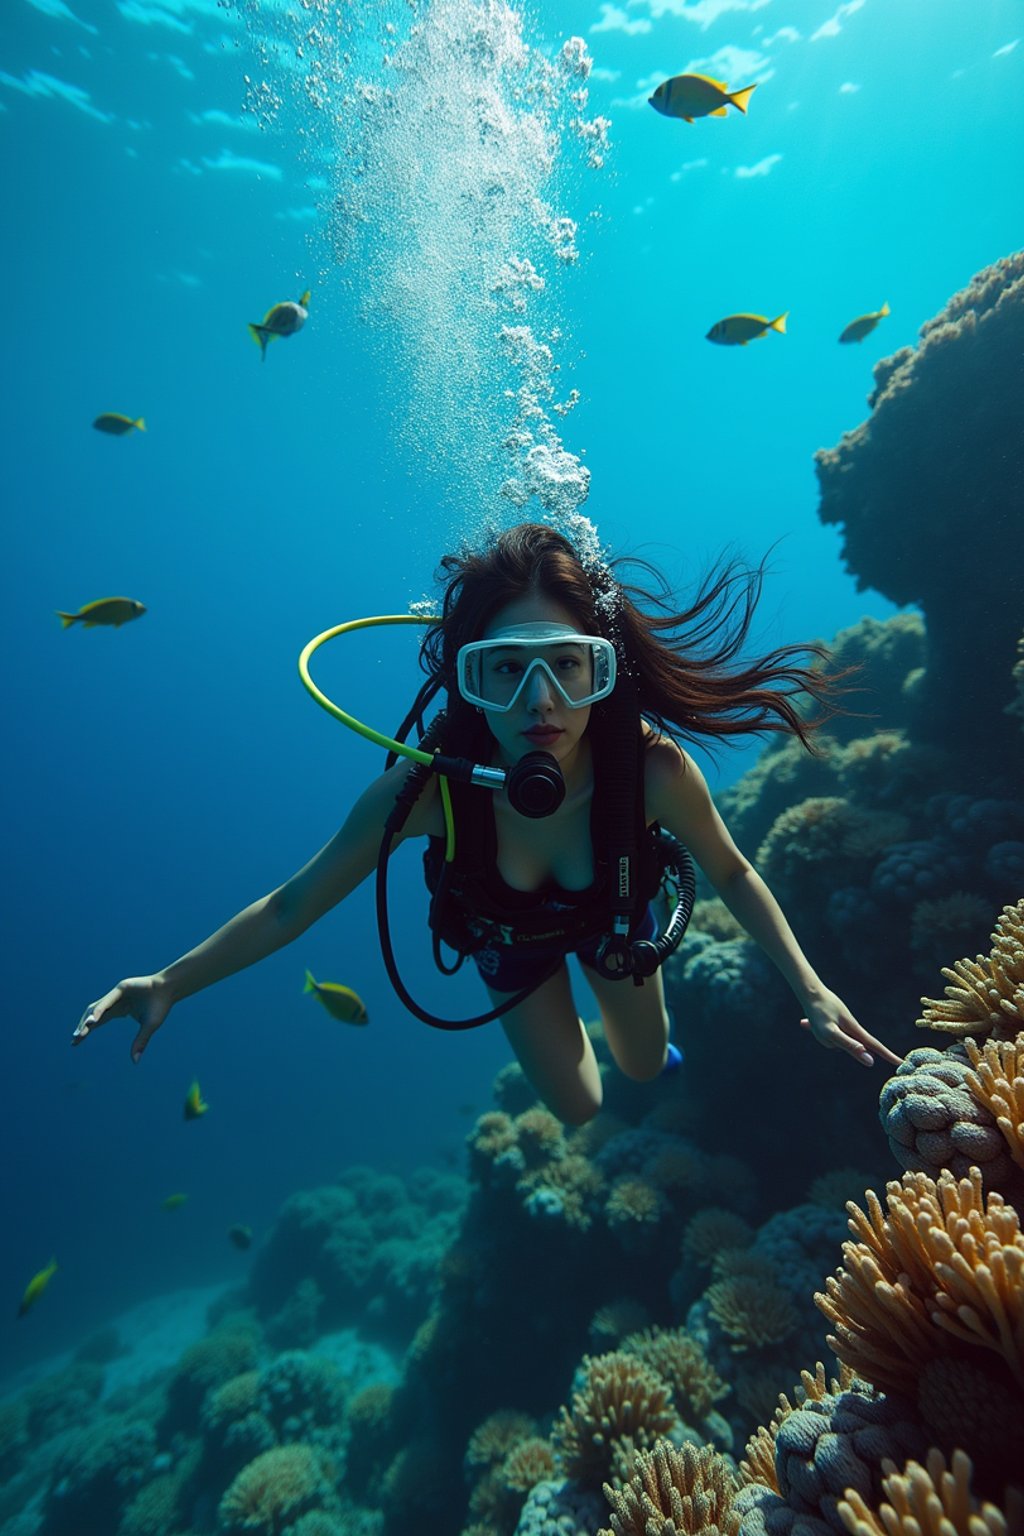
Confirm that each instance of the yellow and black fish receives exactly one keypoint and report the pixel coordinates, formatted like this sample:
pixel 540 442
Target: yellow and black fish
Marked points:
pixel 738 330
pixel 195 1104
pixel 690 96
pixel 864 324
pixel 281 320
pixel 117 425
pixel 36 1286
pixel 105 610
pixel 341 1002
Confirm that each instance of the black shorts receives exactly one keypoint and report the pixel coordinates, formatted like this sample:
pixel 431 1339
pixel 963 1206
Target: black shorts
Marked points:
pixel 510 968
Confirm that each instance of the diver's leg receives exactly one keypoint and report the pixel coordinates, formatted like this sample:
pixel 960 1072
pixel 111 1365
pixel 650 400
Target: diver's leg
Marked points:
pixel 554 1050
pixel 636 1022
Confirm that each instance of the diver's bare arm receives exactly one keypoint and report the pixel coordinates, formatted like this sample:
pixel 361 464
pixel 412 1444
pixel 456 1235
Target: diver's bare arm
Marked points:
pixel 280 917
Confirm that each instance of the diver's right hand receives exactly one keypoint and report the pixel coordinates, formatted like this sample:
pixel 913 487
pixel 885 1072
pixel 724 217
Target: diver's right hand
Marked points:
pixel 146 999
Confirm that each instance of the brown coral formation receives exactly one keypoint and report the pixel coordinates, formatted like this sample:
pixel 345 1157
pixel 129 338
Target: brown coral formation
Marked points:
pixel 675 1492
pixel 620 1398
pixel 754 1313
pixel 932 1500
pixel 680 1361
pixel 997 1081
pixel 932 472
pixel 985 996
pixel 938 1275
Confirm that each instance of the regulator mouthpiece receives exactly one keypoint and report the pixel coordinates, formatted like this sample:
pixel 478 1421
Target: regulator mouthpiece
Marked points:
pixel 535 786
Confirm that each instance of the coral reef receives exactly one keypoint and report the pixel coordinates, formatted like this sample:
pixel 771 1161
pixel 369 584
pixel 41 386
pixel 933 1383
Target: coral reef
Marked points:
pixel 620 1403
pixel 931 471
pixel 985 996
pixel 929 1303
pixel 675 1492
pixel 275 1489
pixel 931 1500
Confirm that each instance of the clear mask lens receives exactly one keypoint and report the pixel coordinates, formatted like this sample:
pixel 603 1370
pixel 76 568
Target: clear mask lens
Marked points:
pixel 496 673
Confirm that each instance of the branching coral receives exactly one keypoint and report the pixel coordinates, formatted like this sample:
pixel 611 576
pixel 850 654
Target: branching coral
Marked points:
pixel 619 1397
pixel 274 1490
pixel 932 1500
pixel 998 1082
pixel 754 1313
pixel 633 1211
pixel 680 1361
pixel 566 1189
pixel 939 1272
pixel 985 996
pixel 675 1491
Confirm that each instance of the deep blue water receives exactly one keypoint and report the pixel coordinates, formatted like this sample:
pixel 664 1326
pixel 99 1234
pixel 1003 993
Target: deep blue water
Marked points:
pixel 161 776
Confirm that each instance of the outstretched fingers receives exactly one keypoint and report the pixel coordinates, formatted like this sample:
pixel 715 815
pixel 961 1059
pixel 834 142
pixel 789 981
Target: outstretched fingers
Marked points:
pixel 847 1035
pixel 98 1013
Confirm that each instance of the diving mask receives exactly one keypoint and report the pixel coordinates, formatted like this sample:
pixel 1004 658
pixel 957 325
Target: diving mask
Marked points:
pixel 492 673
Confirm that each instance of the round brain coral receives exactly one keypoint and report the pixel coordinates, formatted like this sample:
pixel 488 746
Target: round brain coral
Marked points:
pixel 934 1121
pixel 619 1398
pixel 274 1490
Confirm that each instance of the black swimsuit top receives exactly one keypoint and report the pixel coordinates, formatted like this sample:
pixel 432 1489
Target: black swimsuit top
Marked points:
pixel 477 825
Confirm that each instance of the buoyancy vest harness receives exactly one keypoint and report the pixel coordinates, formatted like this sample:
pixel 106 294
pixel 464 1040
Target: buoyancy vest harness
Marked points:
pixel 632 862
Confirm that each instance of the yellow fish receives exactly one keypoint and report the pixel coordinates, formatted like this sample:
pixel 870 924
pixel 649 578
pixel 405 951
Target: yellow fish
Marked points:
pixel 105 610
pixel 195 1104
pixel 690 96
pixel 864 324
pixel 341 1002
pixel 118 425
pixel 173 1202
pixel 282 320
pixel 36 1286
pixel 737 330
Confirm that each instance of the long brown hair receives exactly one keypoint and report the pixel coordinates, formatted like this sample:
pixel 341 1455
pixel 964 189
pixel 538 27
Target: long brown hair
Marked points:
pixel 681 663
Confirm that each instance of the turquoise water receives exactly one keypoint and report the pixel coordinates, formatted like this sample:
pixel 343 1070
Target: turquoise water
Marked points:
pixel 172 169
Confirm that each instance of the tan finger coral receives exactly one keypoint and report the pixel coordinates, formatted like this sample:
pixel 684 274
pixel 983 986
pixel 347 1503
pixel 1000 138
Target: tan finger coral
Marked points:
pixel 932 1500
pixel 998 1082
pixel 619 1397
pixel 675 1491
pixel 679 1360
pixel 939 1265
pixel 985 996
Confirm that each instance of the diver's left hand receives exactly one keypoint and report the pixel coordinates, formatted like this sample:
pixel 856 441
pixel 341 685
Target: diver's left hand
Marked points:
pixel 834 1026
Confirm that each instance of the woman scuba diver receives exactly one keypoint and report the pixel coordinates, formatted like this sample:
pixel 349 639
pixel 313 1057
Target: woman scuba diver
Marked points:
pixel 565 699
